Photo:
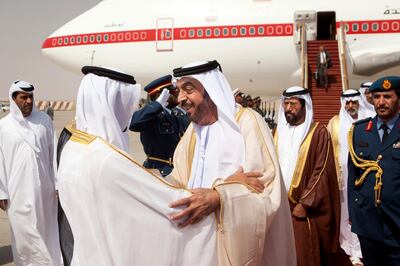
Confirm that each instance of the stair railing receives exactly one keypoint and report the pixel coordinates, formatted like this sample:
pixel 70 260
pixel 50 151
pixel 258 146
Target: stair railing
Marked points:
pixel 303 55
pixel 342 56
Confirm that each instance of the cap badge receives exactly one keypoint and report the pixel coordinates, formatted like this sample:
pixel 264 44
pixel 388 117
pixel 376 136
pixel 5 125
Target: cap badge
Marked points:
pixel 386 84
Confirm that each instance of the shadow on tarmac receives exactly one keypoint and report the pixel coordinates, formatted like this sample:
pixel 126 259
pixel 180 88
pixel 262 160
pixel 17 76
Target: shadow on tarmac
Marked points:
pixel 5 255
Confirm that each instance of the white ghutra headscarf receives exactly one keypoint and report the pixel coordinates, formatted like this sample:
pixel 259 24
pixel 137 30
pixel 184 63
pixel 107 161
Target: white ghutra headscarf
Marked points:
pixel 104 108
pixel 23 125
pixel 368 109
pixel 290 137
pixel 220 149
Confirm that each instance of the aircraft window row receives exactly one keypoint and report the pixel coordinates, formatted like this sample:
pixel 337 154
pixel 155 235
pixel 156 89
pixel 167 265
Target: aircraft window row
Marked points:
pixel 234 31
pixel 225 31
pixel 375 26
pixel 106 37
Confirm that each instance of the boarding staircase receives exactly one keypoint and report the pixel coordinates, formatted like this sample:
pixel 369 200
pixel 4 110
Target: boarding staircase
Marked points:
pixel 326 102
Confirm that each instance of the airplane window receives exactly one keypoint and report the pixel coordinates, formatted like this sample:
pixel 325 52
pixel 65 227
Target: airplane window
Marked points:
pixel 106 37
pixel 252 30
pixel 120 36
pixel 135 35
pixel 72 40
pixel 91 38
pixel 243 31
pixel 167 34
pixel 208 32
pixel 375 26
pixel 225 31
pixel 234 31
pixel 191 33
pixel 261 30
pixel 355 27
pixel 395 26
pixel 54 42
pixel 66 40
pixel 217 32
pixel 85 39
pixel 365 27
pixel 270 30
pixel 385 26
pixel 279 30
pixel 98 38
pixel 128 36
pixel 143 35
pixel 60 41
pixel 113 37
pixel 182 33
pixel 289 29
pixel 199 33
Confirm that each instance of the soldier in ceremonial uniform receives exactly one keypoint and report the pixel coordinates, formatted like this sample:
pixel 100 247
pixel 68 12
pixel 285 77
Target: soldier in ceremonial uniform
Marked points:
pixel 161 124
pixel 374 176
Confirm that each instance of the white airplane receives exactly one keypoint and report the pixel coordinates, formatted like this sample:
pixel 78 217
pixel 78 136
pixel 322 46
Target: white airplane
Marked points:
pixel 255 41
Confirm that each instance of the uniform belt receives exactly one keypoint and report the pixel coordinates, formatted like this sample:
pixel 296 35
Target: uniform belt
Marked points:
pixel 169 161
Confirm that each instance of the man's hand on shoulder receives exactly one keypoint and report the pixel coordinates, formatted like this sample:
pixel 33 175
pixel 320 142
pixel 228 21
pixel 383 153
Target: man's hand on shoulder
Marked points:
pixel 248 178
pixel 203 202
pixel 3 204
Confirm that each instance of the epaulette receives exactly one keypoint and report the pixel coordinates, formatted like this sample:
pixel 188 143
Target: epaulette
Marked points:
pixel 362 121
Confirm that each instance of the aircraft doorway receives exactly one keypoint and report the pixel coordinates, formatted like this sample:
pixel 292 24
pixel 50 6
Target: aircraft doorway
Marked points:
pixel 326 25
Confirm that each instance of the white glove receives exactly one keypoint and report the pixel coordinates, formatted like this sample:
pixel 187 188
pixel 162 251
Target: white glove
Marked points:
pixel 163 98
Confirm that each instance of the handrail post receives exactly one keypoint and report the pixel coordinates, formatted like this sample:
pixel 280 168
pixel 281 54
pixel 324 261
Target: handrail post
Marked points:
pixel 342 56
pixel 303 56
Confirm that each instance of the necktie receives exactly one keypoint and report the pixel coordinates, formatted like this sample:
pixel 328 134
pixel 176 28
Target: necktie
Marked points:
pixel 385 128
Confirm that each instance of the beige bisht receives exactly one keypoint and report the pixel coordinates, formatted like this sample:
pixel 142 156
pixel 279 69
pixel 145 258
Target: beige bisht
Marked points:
pixel 253 229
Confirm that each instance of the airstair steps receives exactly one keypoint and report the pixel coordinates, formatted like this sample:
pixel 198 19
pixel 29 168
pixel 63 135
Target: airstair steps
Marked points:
pixel 326 102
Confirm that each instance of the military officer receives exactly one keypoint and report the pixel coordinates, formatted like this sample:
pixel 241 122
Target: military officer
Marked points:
pixel 161 124
pixel 374 176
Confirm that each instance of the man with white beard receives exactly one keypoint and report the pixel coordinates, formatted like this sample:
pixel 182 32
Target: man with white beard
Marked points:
pixel 350 112
pixel 27 183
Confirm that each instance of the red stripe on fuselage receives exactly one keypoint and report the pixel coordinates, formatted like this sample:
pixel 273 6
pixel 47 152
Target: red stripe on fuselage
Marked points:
pixel 215 32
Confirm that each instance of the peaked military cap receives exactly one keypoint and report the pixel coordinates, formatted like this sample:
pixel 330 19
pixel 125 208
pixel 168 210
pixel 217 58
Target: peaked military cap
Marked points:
pixel 159 84
pixel 386 84
pixel 109 73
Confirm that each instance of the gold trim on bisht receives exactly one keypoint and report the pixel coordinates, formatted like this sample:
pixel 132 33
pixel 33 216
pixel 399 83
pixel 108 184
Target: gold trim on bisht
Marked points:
pixel 367 166
pixel 301 161
pixel 79 136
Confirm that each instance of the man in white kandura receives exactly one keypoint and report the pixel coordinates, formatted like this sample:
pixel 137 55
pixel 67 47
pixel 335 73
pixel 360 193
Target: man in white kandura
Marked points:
pixel 366 100
pixel 350 112
pixel 228 161
pixel 27 183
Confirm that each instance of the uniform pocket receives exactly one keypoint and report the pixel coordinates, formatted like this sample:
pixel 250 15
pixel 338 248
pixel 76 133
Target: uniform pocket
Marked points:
pixel 396 153
pixel 359 199
pixel 166 128
pixel 363 152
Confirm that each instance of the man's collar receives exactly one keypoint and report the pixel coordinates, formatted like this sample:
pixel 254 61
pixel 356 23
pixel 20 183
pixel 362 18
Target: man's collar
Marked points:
pixel 389 123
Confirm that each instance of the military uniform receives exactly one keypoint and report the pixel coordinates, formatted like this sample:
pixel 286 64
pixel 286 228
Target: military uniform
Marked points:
pixel 374 189
pixel 160 130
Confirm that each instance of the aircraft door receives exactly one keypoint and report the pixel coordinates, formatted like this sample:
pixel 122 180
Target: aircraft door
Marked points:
pixel 326 26
pixel 165 35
